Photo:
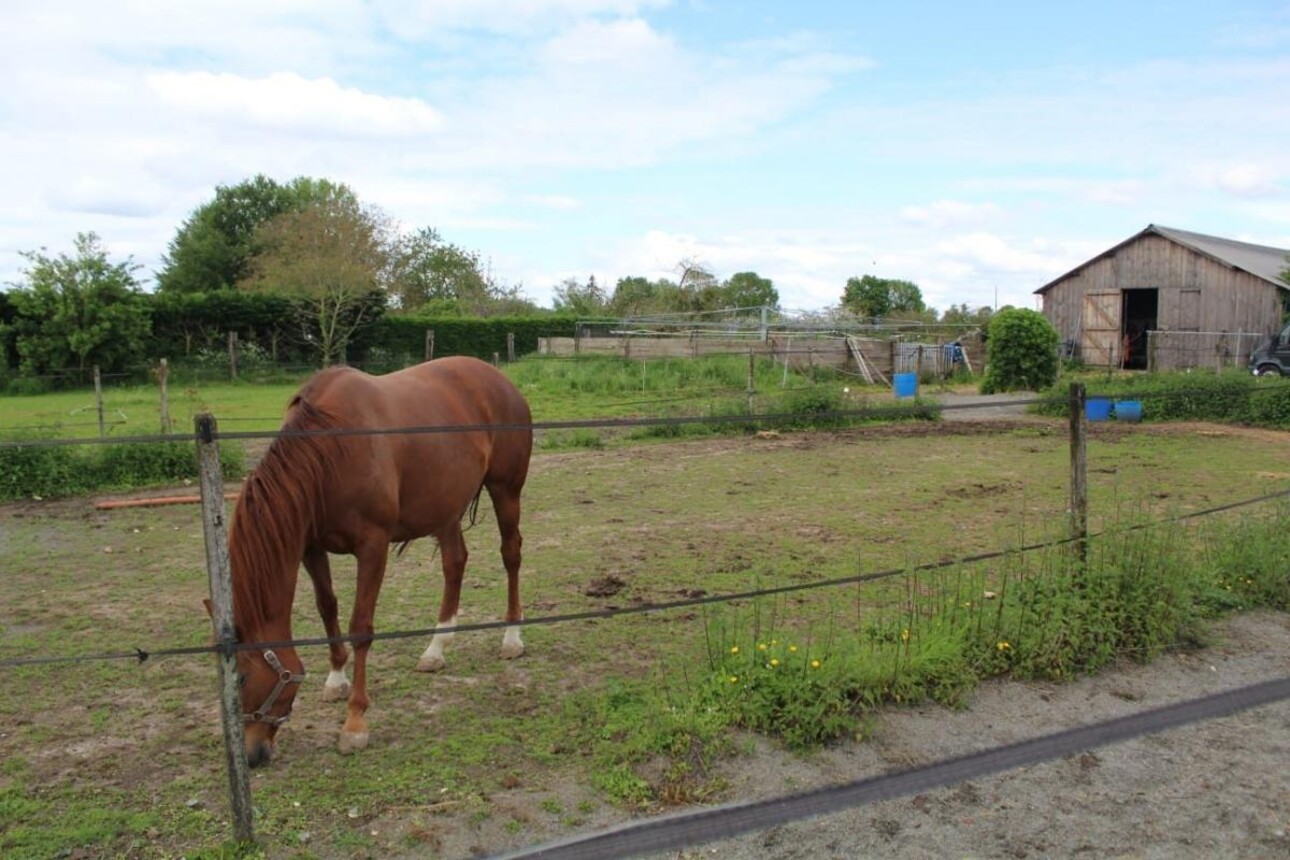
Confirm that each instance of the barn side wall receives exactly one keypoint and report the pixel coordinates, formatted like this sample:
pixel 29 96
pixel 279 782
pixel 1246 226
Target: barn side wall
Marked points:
pixel 1229 300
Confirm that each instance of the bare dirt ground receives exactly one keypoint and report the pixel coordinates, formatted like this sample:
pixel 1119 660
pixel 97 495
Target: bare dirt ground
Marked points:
pixel 1219 789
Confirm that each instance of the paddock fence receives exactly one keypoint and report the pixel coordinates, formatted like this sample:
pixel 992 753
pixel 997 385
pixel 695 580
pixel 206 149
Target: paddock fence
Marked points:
pixel 707 825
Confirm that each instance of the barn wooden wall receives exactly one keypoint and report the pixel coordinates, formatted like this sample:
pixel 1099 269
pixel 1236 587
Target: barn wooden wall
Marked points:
pixel 1228 300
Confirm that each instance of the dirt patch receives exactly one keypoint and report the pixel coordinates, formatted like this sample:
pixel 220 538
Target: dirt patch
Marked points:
pixel 1212 789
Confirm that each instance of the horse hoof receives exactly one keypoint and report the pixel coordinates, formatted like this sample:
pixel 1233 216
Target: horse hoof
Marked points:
pixel 336 694
pixel 431 664
pixel 511 650
pixel 352 742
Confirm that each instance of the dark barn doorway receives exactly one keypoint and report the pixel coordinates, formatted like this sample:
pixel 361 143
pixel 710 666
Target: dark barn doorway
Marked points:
pixel 1139 317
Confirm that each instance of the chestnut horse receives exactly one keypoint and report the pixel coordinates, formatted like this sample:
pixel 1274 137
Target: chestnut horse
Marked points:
pixel 356 494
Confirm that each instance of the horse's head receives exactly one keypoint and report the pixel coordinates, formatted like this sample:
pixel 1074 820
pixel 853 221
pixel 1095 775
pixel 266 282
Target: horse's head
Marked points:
pixel 268 680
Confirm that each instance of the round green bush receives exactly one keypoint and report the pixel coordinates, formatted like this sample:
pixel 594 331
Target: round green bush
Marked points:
pixel 1021 352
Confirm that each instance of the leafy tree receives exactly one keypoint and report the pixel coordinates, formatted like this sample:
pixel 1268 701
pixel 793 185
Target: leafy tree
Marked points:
pixel 585 300
pixel 964 315
pixel 431 275
pixel 1021 352
pixel 870 296
pixel 633 296
pixel 333 258
pixel 78 310
pixel 213 248
pixel 750 290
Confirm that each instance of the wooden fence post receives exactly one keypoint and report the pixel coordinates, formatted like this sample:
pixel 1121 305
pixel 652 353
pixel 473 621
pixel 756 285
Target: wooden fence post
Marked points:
pixel 163 379
pixel 98 400
pixel 429 344
pixel 221 585
pixel 510 347
pixel 496 360
pixel 1079 473
pixel 232 355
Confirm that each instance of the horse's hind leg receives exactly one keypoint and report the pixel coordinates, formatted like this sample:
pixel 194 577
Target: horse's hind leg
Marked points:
pixel 506 504
pixel 316 563
pixel 452 549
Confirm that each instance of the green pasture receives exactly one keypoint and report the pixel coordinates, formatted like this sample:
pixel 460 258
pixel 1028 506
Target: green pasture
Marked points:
pixel 557 390
pixel 603 717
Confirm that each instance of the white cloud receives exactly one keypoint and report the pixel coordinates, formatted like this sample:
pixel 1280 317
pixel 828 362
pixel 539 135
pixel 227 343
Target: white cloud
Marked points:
pixel 1246 179
pixel 289 101
pixel 944 213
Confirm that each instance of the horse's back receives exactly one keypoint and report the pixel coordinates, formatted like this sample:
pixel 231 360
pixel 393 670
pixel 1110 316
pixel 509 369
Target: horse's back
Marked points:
pixel 416 482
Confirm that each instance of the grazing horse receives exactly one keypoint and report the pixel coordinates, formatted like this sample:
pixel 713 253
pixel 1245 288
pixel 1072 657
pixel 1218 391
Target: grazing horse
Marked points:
pixel 356 494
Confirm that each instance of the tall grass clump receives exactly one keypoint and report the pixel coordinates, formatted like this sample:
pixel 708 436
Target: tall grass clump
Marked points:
pixel 1143 590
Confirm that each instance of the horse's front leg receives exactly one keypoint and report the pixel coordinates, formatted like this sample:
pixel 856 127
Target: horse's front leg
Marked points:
pixel 371 571
pixel 452 549
pixel 317 564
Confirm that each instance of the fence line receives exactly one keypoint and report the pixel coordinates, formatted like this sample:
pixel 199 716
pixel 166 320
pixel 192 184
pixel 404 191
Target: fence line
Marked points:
pixel 696 828
pixel 141 655
pixel 917 409
pixel 206 437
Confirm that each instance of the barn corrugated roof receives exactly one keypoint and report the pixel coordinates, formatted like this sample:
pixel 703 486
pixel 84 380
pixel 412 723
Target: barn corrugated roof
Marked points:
pixel 1261 261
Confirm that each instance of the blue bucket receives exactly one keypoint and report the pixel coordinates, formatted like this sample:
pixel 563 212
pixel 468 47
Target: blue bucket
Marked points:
pixel 1128 410
pixel 905 384
pixel 1097 408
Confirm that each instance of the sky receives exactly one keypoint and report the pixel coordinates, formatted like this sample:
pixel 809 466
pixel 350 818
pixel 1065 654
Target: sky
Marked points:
pixel 978 149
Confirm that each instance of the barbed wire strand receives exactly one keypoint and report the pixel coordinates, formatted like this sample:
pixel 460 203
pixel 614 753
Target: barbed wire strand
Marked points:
pixel 142 655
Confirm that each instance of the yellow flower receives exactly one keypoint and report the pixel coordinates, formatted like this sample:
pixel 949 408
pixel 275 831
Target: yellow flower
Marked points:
pixel 815 664
pixel 761 646
pixel 734 649
pixel 1004 646
pixel 774 641
pixel 904 635
pixel 792 649
pixel 774 662
pixel 734 679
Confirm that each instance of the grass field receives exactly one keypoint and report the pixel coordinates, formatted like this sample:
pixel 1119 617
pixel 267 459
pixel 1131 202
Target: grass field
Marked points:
pixel 557 390
pixel 121 759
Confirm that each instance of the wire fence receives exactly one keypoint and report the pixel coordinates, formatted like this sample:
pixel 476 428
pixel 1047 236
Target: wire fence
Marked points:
pixel 141 654
pixel 727 821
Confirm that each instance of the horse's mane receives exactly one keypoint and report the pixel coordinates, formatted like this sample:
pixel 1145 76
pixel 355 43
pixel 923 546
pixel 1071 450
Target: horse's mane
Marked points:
pixel 281 503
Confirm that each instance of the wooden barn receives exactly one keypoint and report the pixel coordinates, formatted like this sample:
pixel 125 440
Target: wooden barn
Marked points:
pixel 1168 298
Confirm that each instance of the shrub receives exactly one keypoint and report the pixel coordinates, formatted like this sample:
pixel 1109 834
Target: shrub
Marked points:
pixel 41 471
pixel 1021 352
pixel 65 470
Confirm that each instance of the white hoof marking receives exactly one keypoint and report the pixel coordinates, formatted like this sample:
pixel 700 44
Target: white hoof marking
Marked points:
pixel 336 687
pixel 432 660
pixel 512 646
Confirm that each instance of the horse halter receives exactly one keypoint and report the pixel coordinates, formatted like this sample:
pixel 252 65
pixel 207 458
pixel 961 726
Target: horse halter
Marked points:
pixel 285 677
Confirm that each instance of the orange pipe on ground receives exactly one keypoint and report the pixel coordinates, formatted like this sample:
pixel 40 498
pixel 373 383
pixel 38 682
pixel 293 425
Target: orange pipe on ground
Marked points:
pixel 112 504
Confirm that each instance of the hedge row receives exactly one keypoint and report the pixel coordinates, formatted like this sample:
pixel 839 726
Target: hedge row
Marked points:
pixel 64 470
pixel 1234 397
pixel 405 335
